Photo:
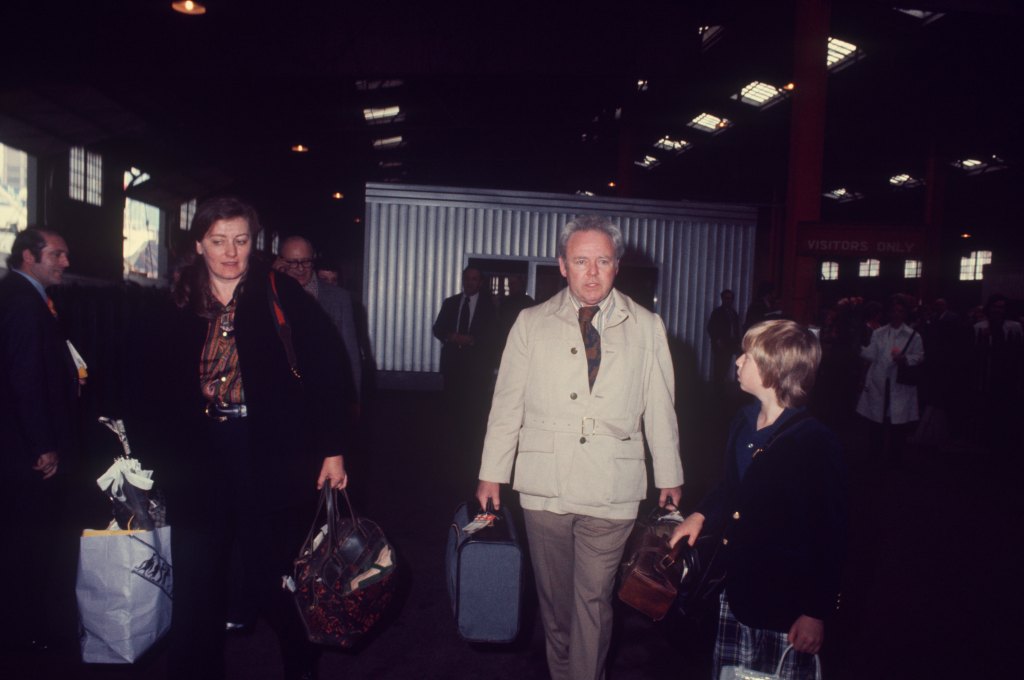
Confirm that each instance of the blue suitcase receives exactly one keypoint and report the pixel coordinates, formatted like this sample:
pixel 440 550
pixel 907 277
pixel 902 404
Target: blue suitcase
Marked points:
pixel 485 578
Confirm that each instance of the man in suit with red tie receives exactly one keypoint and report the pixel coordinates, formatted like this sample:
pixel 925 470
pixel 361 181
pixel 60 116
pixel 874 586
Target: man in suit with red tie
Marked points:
pixel 585 379
pixel 467 328
pixel 39 384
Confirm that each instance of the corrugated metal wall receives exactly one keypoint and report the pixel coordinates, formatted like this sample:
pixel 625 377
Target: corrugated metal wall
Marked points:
pixel 418 239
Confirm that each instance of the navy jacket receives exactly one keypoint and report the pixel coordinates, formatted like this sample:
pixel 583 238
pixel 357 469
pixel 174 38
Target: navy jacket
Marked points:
pixel 785 527
pixel 38 381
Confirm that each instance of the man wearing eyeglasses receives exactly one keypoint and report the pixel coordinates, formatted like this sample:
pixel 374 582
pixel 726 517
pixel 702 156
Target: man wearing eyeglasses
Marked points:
pixel 296 259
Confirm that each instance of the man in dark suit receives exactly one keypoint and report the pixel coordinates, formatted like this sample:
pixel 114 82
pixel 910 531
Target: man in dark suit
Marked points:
pixel 724 329
pixel 467 327
pixel 39 385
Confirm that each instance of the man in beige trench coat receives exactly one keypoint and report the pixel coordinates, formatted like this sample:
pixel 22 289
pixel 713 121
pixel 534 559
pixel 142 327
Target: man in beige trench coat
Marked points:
pixel 571 398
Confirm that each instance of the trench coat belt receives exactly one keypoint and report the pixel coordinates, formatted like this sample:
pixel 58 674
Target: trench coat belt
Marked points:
pixel 585 426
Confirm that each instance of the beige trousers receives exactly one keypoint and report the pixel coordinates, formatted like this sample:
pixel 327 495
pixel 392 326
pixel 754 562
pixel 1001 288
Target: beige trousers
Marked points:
pixel 575 558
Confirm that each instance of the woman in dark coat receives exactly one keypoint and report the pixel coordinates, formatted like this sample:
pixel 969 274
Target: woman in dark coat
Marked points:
pixel 782 509
pixel 254 407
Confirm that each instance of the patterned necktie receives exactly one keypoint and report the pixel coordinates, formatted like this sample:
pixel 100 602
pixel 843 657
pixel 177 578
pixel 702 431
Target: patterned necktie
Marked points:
pixel 51 306
pixel 464 317
pixel 591 341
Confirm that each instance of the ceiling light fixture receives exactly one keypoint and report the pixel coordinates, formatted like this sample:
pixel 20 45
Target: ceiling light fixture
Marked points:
pixel 965 235
pixel 841 54
pixel 709 123
pixel 386 114
pixel 758 94
pixel 611 185
pixel 388 142
pixel 189 7
pixel 300 148
pixel 337 195
pixel 905 180
pixel 648 162
pixel 843 195
pixel 666 143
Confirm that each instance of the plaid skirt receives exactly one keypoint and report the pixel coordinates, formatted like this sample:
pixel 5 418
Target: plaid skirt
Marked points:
pixel 756 648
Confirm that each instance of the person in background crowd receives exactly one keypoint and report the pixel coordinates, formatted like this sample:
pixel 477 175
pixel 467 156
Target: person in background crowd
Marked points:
pixel 999 357
pixel 254 423
pixel 467 327
pixel 890 406
pixel 516 301
pixel 573 417
pixel 724 330
pixel 296 259
pixel 39 388
pixel 765 307
pixel 785 509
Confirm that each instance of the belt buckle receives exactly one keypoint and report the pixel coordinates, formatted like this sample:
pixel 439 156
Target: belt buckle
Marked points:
pixel 583 426
pixel 215 418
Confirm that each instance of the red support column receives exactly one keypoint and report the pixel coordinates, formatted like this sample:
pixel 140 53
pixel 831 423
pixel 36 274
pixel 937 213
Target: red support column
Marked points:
pixel 806 153
pixel 935 191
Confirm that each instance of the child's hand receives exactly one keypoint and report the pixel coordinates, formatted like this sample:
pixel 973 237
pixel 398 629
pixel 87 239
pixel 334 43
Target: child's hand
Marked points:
pixel 689 527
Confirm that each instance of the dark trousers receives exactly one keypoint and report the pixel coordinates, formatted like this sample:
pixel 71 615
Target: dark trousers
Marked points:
pixel 226 517
pixel 39 562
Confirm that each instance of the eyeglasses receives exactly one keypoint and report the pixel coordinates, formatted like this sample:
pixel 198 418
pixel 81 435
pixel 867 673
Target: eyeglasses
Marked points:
pixel 299 264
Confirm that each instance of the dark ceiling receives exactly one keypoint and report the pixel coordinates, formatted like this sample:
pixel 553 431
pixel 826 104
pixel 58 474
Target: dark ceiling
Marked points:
pixel 513 96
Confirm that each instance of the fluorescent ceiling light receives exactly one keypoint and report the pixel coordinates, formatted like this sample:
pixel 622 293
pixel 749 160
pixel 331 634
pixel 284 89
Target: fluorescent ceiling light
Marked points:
pixel 584 192
pixel 666 143
pixel 386 114
pixel 758 94
pixel 388 142
pixel 925 16
pixel 709 123
pixel 648 162
pixel 841 52
pixel 367 85
pixel 641 86
pixel 975 166
pixel 843 195
pixel 905 180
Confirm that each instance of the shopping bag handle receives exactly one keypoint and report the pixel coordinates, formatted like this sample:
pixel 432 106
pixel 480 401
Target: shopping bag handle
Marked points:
pixel 329 497
pixel 328 503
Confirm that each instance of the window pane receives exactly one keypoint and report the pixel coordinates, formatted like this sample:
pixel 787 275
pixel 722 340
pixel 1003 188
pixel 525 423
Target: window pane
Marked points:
pixel 971 266
pixel 869 268
pixel 912 269
pixel 76 173
pixel 829 271
pixel 188 211
pixel 93 178
pixel 13 195
pixel 141 239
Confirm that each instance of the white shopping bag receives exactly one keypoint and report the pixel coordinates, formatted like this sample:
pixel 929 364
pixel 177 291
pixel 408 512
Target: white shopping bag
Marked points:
pixel 124 591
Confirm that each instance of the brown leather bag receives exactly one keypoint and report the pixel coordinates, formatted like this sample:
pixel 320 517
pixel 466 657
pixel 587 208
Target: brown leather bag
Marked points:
pixel 652 570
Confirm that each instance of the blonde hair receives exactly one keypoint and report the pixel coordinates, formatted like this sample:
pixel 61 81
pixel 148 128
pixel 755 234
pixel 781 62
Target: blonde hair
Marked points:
pixel 787 356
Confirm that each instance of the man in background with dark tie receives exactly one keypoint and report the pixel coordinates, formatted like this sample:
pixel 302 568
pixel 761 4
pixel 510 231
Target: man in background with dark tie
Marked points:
pixel 39 384
pixel 467 329
pixel 585 377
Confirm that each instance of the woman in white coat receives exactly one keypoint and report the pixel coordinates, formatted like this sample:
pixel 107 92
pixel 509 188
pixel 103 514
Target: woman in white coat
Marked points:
pixel 890 406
